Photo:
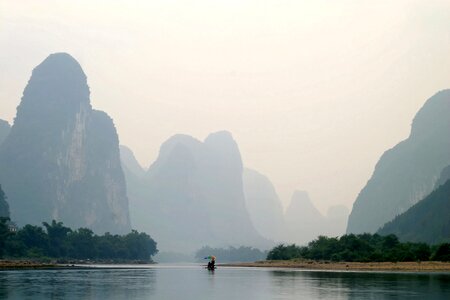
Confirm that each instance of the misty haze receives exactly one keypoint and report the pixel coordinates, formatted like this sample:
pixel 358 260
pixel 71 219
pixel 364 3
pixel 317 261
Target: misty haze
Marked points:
pixel 166 137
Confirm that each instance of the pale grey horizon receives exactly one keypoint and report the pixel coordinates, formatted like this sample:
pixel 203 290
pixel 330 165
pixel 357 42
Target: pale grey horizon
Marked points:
pixel 313 91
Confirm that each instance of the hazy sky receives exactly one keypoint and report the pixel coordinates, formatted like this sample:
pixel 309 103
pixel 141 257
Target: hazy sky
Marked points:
pixel 313 91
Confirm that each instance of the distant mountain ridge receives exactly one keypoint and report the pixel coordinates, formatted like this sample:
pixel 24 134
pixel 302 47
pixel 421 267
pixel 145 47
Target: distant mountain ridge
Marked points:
pixel 130 162
pixel 408 172
pixel 192 196
pixel 263 205
pixel 304 222
pixel 61 158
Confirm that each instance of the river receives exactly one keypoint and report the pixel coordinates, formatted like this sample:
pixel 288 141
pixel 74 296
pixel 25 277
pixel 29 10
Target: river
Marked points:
pixel 193 282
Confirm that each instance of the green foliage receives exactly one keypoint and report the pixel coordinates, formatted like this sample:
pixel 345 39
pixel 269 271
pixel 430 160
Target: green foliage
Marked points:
pixel 442 253
pixel 80 243
pixel 58 241
pixel 282 252
pixel 360 248
pixel 4 234
pixel 57 236
pixel 31 241
pixel 139 245
pixel 231 254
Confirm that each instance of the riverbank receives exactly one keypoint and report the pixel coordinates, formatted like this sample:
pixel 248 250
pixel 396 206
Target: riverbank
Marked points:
pixel 25 264
pixel 425 266
pixel 62 264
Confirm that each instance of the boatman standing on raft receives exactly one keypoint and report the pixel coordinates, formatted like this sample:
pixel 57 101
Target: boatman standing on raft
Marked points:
pixel 212 263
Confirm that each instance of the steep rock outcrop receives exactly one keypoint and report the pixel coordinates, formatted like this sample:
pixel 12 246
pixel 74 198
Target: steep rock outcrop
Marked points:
pixel 4 207
pixel 263 205
pixel 445 176
pixel 408 172
pixel 61 159
pixel 130 163
pixel 428 221
pixel 193 196
pixel 4 130
pixel 136 187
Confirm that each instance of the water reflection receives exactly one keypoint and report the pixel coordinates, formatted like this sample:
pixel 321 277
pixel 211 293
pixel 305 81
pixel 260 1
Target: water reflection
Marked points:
pixel 365 285
pixel 3 285
pixel 77 284
pixel 225 283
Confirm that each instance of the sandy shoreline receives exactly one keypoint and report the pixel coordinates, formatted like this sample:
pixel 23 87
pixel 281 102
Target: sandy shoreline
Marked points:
pixel 426 266
pixel 80 264
pixel 25 264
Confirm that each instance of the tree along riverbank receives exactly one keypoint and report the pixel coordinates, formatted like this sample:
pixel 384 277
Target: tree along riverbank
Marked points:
pixel 57 242
pixel 425 266
pixel 363 248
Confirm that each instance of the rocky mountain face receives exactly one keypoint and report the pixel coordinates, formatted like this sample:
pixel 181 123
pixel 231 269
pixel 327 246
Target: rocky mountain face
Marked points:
pixel 4 130
pixel 4 207
pixel 427 221
pixel 445 176
pixel 408 172
pixel 192 196
pixel 263 205
pixel 137 189
pixel 61 159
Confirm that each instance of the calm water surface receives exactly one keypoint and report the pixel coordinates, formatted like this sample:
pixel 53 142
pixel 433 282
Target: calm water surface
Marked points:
pixel 194 282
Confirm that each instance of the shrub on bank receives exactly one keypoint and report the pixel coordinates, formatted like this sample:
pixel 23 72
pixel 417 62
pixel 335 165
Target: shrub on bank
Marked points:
pixel 361 248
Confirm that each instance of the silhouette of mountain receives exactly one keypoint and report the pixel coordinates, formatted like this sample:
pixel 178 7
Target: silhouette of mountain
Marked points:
pixel 61 159
pixel 408 172
pixel 304 222
pixel 445 175
pixel 4 130
pixel 130 163
pixel 192 196
pixel 263 205
pixel 337 217
pixel 4 207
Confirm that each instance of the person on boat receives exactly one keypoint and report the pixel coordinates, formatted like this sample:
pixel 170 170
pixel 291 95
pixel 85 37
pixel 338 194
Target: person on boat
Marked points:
pixel 212 263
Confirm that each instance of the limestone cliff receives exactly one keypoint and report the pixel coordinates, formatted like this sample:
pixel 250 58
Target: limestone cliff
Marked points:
pixel 428 221
pixel 445 176
pixel 61 159
pixel 4 130
pixel 408 172
pixel 4 207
